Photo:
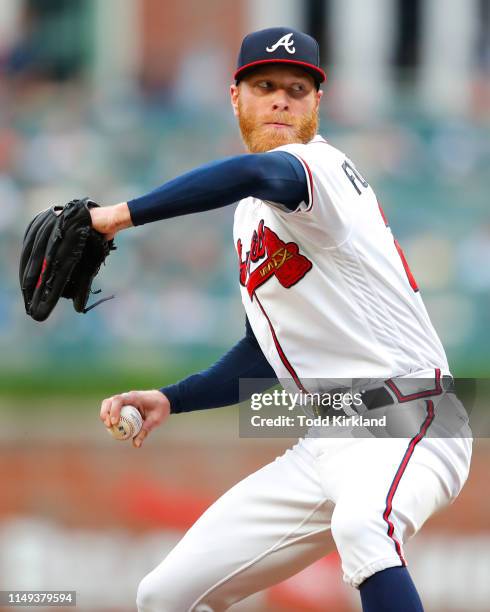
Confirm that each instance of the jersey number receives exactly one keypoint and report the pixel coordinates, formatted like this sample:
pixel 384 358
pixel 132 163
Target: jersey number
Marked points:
pixel 410 276
pixel 358 181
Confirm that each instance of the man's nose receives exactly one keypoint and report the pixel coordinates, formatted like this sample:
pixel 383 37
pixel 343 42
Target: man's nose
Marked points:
pixel 281 101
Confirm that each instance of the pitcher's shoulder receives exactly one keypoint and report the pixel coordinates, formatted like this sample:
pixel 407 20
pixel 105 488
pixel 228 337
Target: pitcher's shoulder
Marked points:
pixel 321 146
pixel 317 149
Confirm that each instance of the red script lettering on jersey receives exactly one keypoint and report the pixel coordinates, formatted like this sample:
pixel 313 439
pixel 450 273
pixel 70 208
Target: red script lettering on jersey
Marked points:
pixel 281 259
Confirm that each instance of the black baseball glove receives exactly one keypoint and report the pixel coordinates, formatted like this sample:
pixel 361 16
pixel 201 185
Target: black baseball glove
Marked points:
pixel 61 255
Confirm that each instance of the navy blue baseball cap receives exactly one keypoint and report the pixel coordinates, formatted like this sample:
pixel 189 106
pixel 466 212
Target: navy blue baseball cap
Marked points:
pixel 279 46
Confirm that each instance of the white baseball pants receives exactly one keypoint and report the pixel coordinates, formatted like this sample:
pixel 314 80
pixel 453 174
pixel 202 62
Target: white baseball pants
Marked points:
pixel 366 497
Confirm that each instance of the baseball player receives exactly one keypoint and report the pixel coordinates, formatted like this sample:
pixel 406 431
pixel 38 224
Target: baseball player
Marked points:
pixel 328 295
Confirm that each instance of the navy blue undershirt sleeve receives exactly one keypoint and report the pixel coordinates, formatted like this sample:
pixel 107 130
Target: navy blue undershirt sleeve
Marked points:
pixel 219 385
pixel 276 177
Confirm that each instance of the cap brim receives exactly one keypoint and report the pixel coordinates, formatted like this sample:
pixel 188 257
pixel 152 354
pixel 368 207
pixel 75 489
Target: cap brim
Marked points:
pixel 316 73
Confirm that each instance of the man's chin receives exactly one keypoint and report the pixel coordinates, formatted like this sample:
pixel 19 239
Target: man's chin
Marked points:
pixel 270 137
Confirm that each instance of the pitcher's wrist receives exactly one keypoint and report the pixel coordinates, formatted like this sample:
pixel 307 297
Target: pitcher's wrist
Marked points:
pixel 122 218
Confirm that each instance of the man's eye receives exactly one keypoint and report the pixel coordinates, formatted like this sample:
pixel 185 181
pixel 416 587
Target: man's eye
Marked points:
pixel 297 87
pixel 264 84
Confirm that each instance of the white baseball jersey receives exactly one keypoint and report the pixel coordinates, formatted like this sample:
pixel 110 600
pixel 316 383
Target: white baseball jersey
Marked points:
pixel 326 287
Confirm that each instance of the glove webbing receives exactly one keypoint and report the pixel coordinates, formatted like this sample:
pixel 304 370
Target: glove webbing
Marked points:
pixel 106 299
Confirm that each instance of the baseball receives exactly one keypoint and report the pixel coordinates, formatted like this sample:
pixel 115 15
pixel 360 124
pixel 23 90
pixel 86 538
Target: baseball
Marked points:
pixel 130 423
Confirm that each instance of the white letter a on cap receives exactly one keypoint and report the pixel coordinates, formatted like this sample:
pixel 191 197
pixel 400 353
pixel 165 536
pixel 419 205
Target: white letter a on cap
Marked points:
pixel 285 41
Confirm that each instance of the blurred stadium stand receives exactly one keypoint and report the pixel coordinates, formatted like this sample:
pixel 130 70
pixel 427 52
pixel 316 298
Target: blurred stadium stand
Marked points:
pixel 78 122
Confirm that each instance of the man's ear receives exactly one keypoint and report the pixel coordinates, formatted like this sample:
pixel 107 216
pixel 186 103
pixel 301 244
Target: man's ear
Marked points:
pixel 234 93
pixel 319 95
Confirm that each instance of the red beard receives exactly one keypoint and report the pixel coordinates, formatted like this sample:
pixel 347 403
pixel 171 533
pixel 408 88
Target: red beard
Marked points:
pixel 259 138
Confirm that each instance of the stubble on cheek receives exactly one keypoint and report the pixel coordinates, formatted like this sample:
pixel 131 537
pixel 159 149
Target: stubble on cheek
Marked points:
pixel 259 138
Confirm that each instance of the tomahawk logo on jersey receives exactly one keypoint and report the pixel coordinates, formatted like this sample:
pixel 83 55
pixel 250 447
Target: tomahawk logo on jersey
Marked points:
pixel 334 263
pixel 273 257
